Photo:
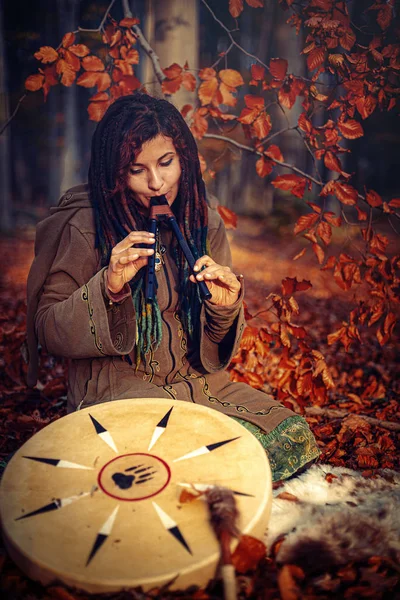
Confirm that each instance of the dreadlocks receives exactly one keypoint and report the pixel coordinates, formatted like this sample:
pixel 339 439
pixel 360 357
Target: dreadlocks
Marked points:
pixel 128 123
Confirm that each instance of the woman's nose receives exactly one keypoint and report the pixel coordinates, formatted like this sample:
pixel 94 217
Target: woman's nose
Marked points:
pixel 155 180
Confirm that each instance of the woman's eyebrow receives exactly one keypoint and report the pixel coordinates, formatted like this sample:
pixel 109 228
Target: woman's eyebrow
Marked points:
pixel 158 160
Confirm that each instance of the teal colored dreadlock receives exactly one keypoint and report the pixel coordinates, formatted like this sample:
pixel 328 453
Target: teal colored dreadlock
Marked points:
pixel 128 123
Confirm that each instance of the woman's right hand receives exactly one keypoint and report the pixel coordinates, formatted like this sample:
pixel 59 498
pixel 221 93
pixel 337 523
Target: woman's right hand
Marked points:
pixel 126 260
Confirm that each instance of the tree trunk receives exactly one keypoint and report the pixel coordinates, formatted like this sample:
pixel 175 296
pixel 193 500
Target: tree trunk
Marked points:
pixel 172 30
pixel 5 150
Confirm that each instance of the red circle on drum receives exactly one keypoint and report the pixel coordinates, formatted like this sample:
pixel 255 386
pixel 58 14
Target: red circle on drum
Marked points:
pixel 133 477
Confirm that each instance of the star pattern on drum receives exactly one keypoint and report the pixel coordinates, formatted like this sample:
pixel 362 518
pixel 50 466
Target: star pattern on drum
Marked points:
pixel 138 474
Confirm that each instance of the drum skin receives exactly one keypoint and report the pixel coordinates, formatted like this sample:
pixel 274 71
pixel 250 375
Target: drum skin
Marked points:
pixel 93 499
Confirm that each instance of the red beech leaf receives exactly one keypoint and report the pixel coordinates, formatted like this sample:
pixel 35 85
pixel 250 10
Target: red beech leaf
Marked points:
pixel 200 123
pixel 248 554
pixel 351 129
pixel 315 58
pixel 361 214
pixel 79 50
pixel 68 40
pixel 92 63
pixel 305 222
pixel 290 286
pixel 373 198
pixel 257 72
pixel 319 253
pixel 171 86
pixel 262 125
pixel 395 203
pixel 173 71
pixel 293 183
pixel 300 254
pixel 250 334
pixel 256 103
pixel 263 167
pixel 333 219
pixel 332 162
pixel 278 68
pixel 189 82
pixel 255 3
pixel 46 54
pixel 128 22
pixel 324 231
pixel 231 77
pixel 274 152
pixel 34 82
pixel 228 216
pixel 235 7
pixel 346 193
pixel 207 90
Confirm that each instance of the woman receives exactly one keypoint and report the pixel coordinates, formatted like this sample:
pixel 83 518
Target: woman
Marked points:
pixel 86 288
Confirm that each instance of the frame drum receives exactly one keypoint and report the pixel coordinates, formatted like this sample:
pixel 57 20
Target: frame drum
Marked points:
pixel 93 499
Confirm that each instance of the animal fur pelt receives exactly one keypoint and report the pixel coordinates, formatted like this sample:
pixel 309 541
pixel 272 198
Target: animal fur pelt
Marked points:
pixel 329 516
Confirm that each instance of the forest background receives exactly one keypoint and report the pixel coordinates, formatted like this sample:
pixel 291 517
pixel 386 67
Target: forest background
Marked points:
pixel 295 108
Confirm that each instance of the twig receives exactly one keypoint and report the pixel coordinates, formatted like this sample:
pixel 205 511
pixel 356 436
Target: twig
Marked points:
pixel 14 113
pixel 332 413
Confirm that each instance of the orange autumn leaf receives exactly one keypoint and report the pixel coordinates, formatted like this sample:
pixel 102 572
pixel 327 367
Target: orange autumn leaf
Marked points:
pixel 171 86
pixel 172 71
pixel 228 216
pixel 91 79
pixel 68 75
pixel 72 60
pixel 34 82
pixel 262 125
pixel 226 95
pixel 293 183
pixel 200 123
pixel 395 203
pixel 333 219
pixel 93 63
pixel 235 8
pixel 97 110
pixel 79 50
pixel 46 54
pixel 207 90
pixel 189 82
pixel 250 335
pixel 253 379
pixel 351 129
pixel 68 40
pixel 255 3
pixel 231 77
pixel 129 22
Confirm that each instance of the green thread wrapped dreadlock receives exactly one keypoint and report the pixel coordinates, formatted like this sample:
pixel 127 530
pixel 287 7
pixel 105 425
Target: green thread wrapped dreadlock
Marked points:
pixel 128 123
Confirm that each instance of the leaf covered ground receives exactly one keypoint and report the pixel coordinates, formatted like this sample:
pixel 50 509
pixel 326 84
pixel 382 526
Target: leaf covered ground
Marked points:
pixel 357 427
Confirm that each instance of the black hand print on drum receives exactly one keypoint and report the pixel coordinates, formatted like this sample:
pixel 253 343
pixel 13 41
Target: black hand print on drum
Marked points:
pixel 140 474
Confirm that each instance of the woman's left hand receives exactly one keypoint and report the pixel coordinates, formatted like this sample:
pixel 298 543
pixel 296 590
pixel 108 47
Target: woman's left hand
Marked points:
pixel 222 283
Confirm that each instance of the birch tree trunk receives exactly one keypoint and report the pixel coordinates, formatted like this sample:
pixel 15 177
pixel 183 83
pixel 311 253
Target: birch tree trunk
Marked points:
pixel 172 30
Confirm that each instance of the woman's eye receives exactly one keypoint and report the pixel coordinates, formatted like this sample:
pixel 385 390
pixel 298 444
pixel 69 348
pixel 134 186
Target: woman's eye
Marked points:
pixel 167 163
pixel 135 171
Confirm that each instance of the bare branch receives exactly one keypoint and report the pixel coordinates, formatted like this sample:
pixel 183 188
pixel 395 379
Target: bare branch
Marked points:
pixel 340 414
pixel 14 113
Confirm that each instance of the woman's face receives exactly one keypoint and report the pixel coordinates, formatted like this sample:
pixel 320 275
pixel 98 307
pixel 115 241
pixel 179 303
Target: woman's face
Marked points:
pixel 156 171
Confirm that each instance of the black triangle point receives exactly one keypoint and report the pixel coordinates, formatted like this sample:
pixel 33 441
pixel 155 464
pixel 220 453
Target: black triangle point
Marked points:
pixel 99 541
pixel 164 420
pixel 55 505
pixel 216 445
pixel 47 461
pixel 177 535
pixel 99 428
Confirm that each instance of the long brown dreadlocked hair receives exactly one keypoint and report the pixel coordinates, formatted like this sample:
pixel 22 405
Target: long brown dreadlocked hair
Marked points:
pixel 128 123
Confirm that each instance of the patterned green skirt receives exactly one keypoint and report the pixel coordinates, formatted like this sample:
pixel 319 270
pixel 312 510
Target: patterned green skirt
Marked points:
pixel 290 446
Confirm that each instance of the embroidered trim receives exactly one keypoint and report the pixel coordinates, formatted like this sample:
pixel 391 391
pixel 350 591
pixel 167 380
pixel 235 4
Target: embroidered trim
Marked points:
pixel 213 399
pixel 290 446
pixel 86 298
pixel 170 390
pixel 154 366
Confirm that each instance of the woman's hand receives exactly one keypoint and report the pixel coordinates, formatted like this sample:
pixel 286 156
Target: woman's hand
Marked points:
pixel 222 283
pixel 126 260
